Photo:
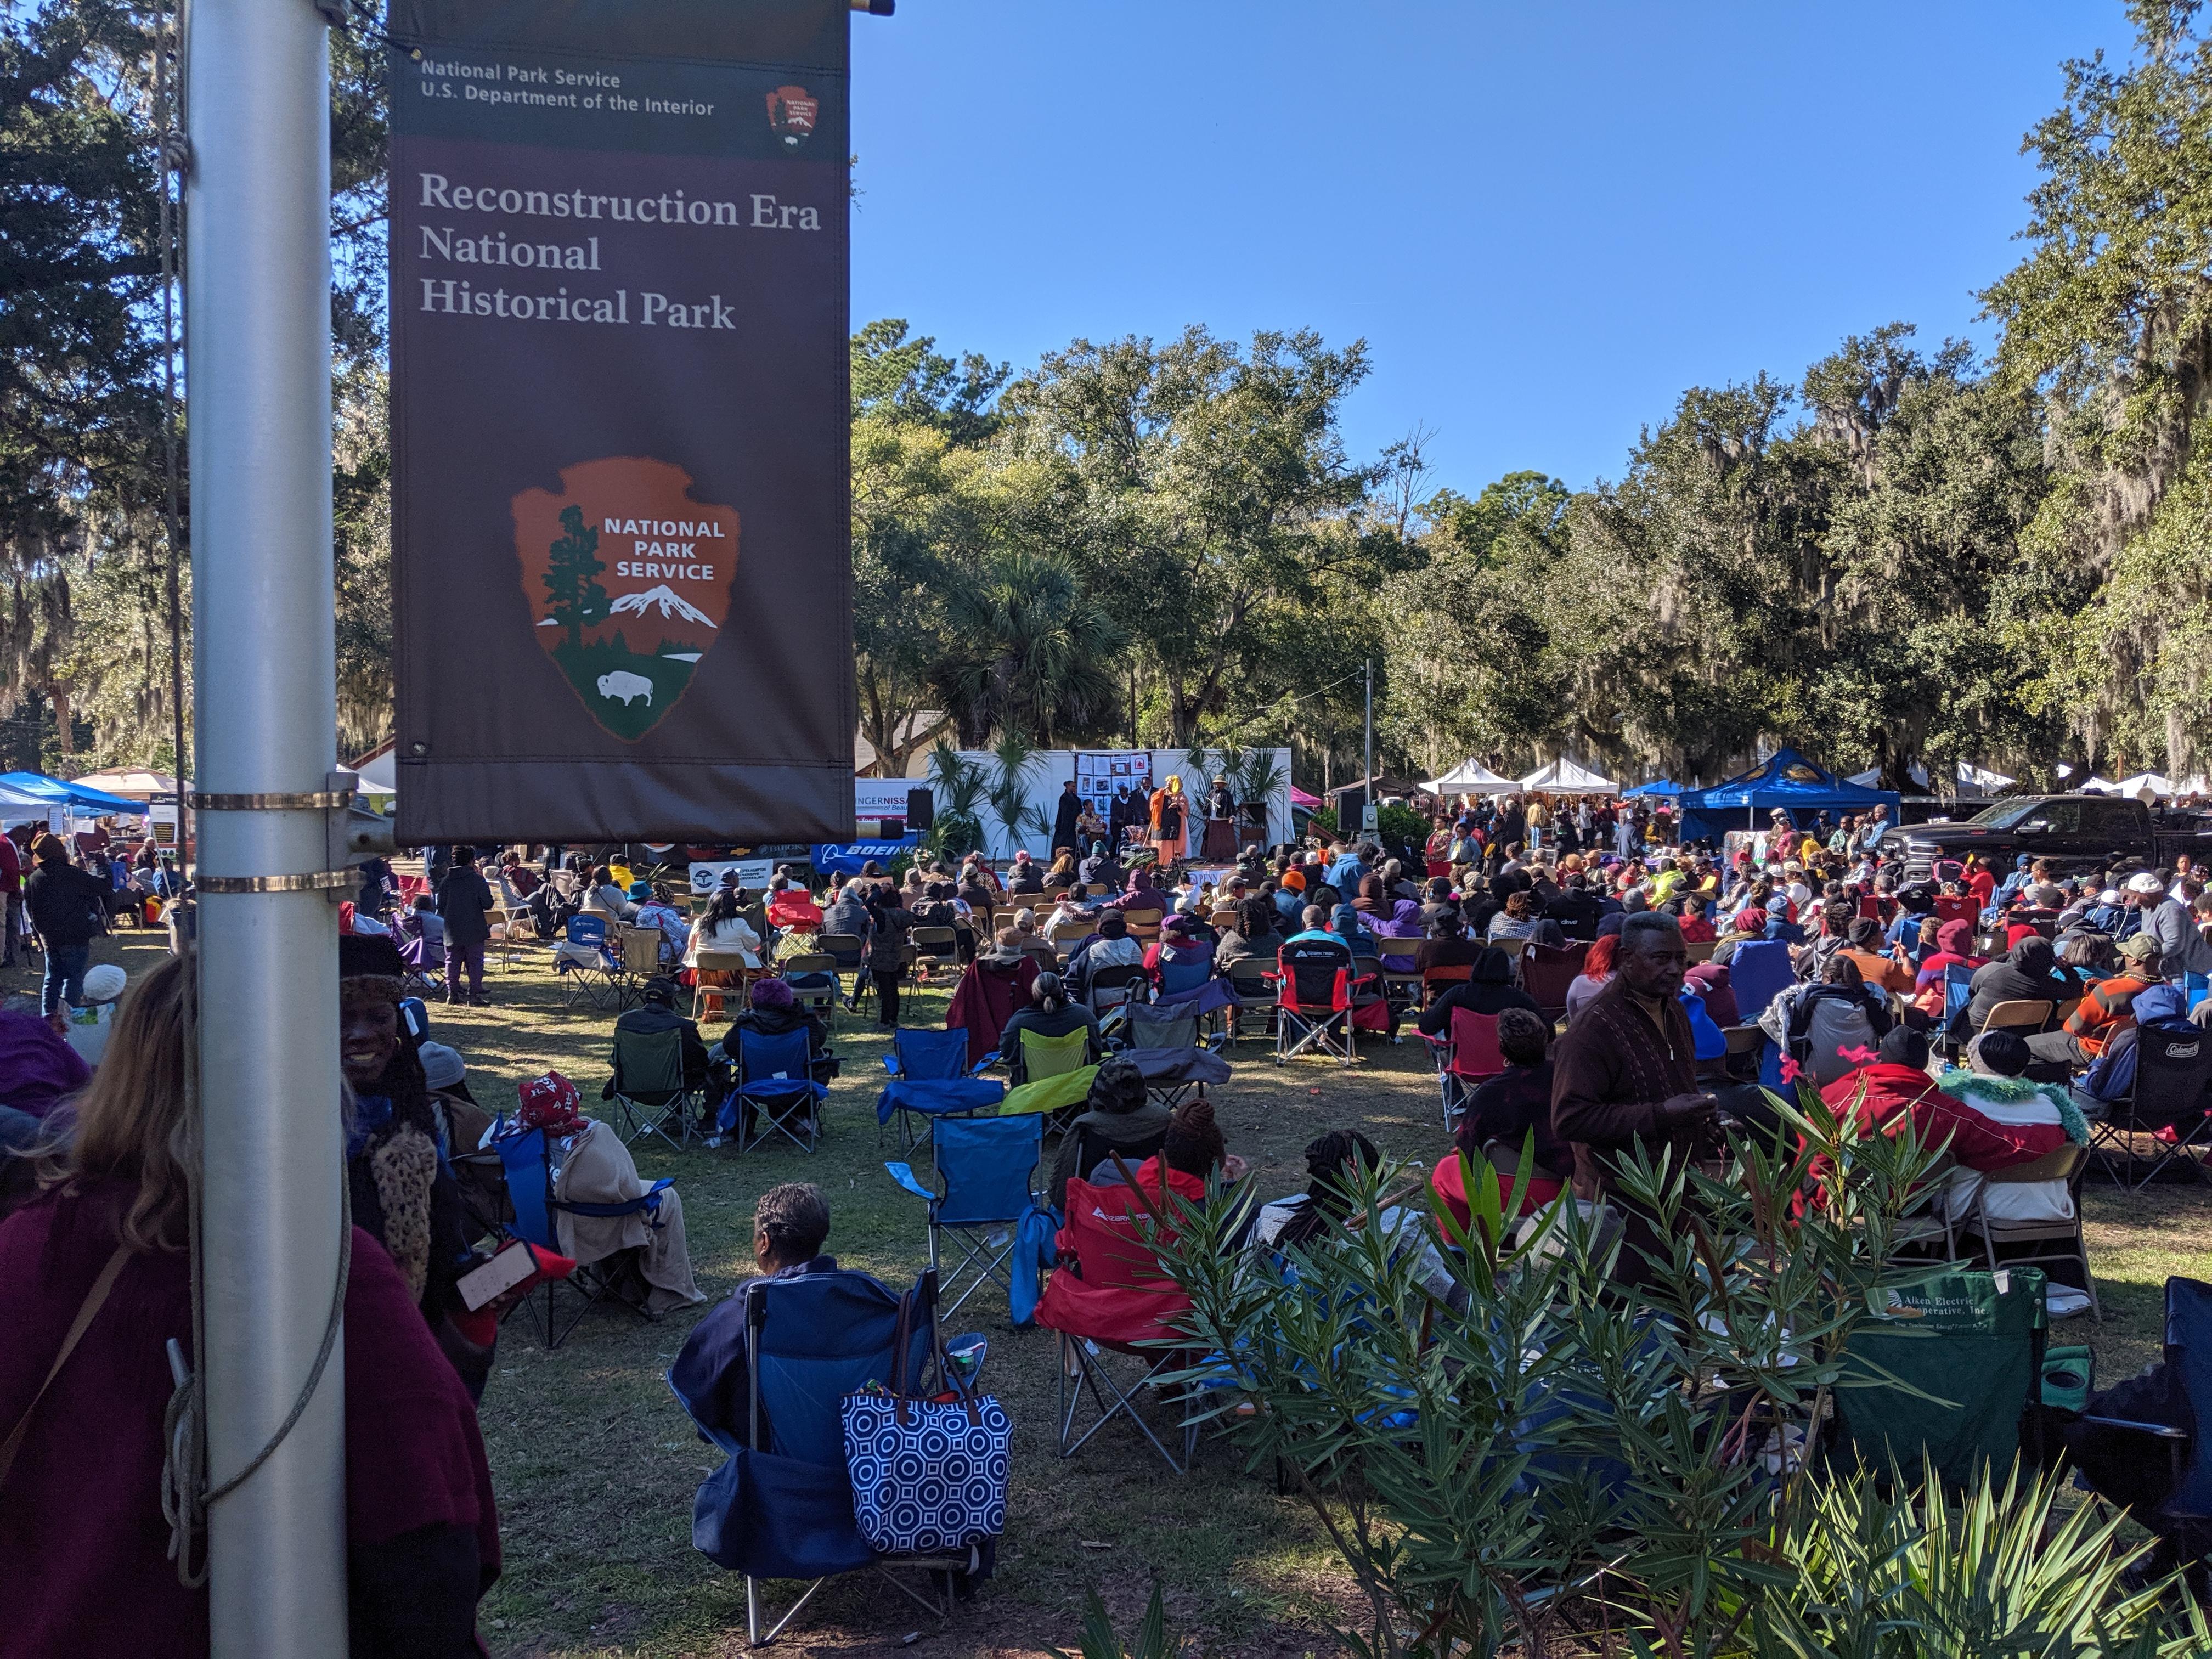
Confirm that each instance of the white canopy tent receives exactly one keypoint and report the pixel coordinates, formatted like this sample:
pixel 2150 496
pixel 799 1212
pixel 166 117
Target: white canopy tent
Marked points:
pixel 1469 777
pixel 135 783
pixel 1972 780
pixel 2155 783
pixel 2093 785
pixel 1565 777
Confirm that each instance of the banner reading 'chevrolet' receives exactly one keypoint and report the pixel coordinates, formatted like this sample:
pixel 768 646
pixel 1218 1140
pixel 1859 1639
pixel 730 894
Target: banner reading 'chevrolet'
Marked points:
pixel 619 420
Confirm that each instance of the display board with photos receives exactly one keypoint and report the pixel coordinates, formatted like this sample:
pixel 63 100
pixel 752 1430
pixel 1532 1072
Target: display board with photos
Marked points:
pixel 1100 775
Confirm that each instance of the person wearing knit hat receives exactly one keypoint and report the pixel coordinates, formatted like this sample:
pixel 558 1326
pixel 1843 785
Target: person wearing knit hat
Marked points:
pixel 775 1012
pixel 403 1194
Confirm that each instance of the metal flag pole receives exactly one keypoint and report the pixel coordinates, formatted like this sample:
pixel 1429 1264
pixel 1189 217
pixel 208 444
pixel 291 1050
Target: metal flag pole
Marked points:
pixel 1367 795
pixel 257 308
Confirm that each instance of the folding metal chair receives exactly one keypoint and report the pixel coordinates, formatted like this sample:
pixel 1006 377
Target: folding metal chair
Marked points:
pixel 589 967
pixel 1466 1059
pixel 817 999
pixel 772 1074
pixel 938 1061
pixel 640 950
pixel 986 1164
pixel 2173 1071
pixel 2067 1164
pixel 931 945
pixel 850 957
pixel 1110 1300
pixel 781 1506
pixel 1312 1010
pixel 649 1094
pixel 530 1190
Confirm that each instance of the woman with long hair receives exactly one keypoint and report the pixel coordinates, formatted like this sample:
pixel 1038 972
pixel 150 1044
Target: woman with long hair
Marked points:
pixel 108 1244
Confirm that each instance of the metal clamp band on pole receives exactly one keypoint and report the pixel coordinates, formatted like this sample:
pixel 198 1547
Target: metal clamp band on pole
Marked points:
pixel 318 881
pixel 320 800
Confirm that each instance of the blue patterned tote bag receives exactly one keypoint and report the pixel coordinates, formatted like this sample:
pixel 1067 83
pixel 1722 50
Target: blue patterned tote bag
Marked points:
pixel 928 1475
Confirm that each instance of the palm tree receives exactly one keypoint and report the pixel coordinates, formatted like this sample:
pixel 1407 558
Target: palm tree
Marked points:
pixel 1037 652
pixel 958 785
pixel 1013 760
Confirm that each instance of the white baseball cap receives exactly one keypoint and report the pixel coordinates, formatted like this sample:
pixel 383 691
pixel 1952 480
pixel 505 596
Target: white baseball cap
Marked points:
pixel 2143 882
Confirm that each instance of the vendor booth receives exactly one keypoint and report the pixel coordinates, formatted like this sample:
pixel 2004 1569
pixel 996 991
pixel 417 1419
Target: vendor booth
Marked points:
pixel 1566 777
pixel 1470 777
pixel 1788 782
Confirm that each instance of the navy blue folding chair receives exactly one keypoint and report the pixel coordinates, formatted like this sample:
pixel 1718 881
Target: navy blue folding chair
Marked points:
pixel 986 1164
pixel 584 960
pixel 2146 1444
pixel 522 1155
pixel 1758 972
pixel 764 1377
pixel 774 1091
pixel 930 1078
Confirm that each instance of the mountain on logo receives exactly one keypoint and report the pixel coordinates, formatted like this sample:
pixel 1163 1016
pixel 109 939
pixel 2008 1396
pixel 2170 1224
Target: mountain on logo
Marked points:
pixel 590 558
pixel 668 602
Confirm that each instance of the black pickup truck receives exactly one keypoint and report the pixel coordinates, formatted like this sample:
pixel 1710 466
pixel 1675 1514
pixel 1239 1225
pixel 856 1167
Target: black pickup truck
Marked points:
pixel 2079 834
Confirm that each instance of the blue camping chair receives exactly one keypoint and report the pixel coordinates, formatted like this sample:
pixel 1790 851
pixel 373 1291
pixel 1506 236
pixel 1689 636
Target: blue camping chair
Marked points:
pixel 774 1074
pixel 930 1078
pixel 592 977
pixel 522 1155
pixel 2146 1444
pixel 1182 978
pixel 2195 988
pixel 1758 972
pixel 986 1164
pixel 764 1376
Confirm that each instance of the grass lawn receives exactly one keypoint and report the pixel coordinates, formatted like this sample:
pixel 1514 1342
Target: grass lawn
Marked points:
pixel 595 1463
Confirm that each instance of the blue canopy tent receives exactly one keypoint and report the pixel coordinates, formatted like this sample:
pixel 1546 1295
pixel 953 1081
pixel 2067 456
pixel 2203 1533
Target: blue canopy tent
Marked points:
pixel 1789 781
pixel 55 793
pixel 1660 787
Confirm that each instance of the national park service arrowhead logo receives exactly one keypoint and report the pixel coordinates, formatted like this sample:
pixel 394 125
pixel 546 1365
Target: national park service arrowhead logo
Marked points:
pixel 792 112
pixel 629 578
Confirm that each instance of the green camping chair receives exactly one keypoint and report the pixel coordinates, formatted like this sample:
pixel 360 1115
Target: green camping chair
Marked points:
pixel 1973 1344
pixel 647 1089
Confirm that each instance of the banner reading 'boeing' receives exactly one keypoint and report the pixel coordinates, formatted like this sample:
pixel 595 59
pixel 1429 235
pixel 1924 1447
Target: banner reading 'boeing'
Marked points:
pixel 619 417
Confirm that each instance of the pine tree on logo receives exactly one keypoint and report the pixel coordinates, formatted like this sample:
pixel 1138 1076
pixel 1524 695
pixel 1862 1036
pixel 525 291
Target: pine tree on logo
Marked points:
pixel 577 601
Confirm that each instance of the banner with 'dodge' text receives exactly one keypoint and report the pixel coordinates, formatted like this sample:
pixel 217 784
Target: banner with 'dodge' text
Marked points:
pixel 621 547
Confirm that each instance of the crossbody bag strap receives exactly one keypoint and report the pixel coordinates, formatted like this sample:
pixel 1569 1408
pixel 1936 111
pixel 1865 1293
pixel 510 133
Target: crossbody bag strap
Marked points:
pixel 94 1299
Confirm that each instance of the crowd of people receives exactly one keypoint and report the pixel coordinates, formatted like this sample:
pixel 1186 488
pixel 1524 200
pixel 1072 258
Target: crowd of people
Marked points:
pixel 1864 979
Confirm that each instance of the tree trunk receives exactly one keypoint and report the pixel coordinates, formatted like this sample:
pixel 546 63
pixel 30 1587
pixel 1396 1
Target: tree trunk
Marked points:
pixel 59 696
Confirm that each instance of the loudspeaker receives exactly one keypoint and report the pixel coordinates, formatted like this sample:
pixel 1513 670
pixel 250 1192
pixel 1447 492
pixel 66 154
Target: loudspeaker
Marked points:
pixel 920 809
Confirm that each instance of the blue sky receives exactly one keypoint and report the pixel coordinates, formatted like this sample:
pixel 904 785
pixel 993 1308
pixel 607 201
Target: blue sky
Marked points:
pixel 1547 220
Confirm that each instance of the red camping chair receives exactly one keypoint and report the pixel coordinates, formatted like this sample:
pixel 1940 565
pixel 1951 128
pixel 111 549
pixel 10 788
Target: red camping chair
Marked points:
pixel 1447 1177
pixel 1955 907
pixel 1434 980
pixel 1546 973
pixel 1107 1296
pixel 1312 1010
pixel 1466 1060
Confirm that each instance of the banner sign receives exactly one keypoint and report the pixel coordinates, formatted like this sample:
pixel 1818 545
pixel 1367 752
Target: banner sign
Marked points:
pixel 849 857
pixel 706 874
pixel 620 408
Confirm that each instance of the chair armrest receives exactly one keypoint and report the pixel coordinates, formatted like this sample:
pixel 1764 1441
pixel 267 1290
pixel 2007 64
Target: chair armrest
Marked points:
pixel 903 1174
pixel 891 1063
pixel 989 1059
pixel 2162 1431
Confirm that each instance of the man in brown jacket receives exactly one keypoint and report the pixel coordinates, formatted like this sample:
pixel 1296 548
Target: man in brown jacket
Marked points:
pixel 1625 1074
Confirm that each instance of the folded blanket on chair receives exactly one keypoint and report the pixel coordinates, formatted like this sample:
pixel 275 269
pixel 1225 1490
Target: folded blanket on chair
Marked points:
pixel 1178 1064
pixel 938 1095
pixel 1201 998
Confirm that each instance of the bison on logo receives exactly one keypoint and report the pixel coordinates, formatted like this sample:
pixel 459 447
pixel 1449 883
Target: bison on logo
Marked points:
pixel 630 580
pixel 792 111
